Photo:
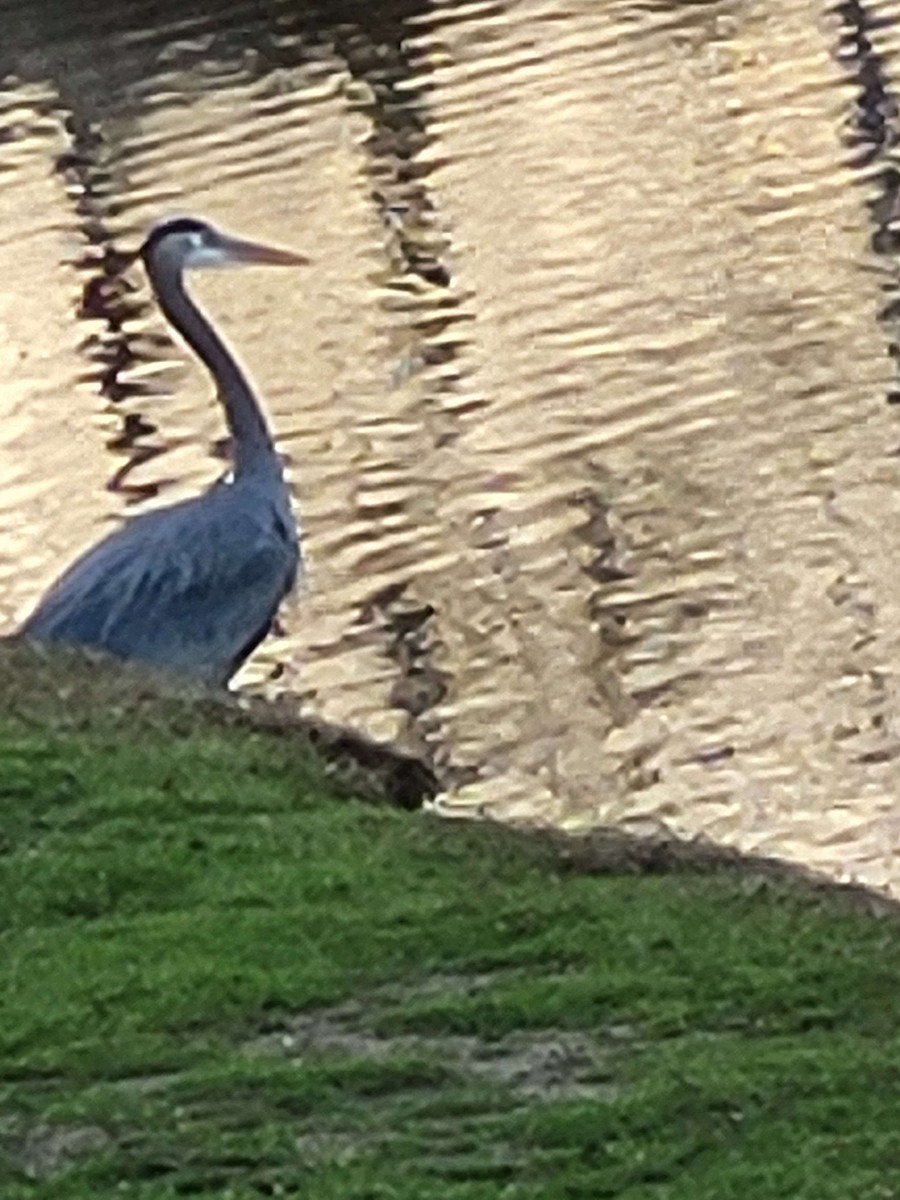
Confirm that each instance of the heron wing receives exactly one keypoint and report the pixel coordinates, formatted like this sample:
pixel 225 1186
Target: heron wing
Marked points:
pixel 193 588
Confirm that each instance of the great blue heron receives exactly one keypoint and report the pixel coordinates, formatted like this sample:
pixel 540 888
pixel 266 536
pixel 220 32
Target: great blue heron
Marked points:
pixel 192 588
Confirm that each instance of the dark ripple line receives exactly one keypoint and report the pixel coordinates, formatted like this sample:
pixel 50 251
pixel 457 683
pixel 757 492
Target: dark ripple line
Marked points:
pixel 874 135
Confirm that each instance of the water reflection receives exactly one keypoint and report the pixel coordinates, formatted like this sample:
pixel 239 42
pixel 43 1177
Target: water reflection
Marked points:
pixel 583 400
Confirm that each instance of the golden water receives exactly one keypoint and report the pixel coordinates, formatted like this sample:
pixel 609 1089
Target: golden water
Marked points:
pixel 585 398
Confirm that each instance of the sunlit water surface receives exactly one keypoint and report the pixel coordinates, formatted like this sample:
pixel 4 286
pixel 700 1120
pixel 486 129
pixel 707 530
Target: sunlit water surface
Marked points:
pixel 585 399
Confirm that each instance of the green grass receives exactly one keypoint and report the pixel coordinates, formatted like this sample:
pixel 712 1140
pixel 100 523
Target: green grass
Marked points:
pixel 223 975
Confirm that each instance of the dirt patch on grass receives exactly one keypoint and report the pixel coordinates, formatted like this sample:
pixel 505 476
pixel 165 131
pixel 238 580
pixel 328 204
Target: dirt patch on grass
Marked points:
pixel 557 1064
pixel 42 1150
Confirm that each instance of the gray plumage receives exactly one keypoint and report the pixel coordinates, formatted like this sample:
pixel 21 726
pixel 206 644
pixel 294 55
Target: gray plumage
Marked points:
pixel 191 589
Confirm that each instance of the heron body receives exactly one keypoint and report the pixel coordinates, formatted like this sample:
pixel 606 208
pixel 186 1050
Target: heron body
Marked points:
pixel 193 588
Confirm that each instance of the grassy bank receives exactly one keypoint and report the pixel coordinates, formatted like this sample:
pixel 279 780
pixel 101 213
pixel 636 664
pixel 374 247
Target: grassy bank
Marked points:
pixel 223 975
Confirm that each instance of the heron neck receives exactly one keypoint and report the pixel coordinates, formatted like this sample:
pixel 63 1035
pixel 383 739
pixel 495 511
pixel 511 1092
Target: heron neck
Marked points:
pixel 252 447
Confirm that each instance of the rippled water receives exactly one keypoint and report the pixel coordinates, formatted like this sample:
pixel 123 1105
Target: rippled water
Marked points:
pixel 586 397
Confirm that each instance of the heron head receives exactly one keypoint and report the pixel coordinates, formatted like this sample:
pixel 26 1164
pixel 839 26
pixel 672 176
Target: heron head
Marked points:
pixel 194 244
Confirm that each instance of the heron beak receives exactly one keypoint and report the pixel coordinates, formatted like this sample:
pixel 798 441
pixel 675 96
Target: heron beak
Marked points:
pixel 240 251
